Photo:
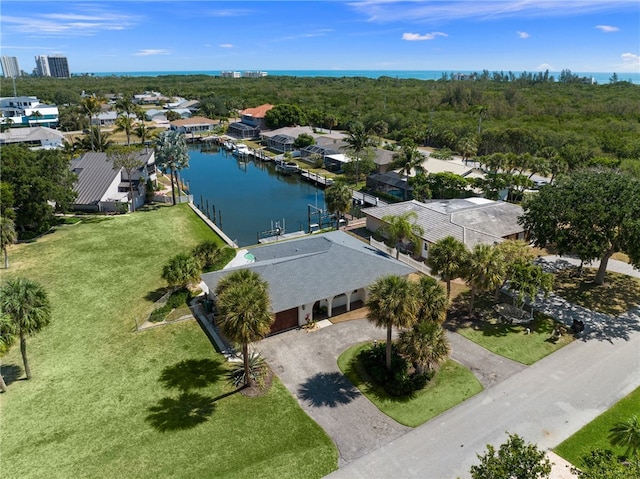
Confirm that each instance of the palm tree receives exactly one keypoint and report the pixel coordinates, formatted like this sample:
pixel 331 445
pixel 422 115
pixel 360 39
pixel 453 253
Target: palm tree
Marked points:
pixel 447 259
pixel 94 141
pixel 8 236
pixel 392 303
pixel 142 131
pixel 92 105
pixel 172 154
pixel 338 198
pixel 402 228
pixel 242 298
pixel 526 280
pixel 432 300
pixel 626 434
pixel 35 116
pixel 26 304
pixel 485 270
pixel 358 141
pixel 125 123
pixel 181 270
pixel 7 337
pixel 426 345
pixel 467 146
pixel 482 111
pixel 408 159
pixel 128 158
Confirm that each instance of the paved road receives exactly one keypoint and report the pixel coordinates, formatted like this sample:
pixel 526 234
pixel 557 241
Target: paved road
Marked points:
pixel 306 363
pixel 545 404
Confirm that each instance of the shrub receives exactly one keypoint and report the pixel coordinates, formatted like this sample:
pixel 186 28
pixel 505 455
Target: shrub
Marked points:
pixel 400 381
pixel 178 298
pixel 257 370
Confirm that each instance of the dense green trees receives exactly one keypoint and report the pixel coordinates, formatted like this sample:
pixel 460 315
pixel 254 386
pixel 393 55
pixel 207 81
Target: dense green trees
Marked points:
pixel 27 306
pixel 181 270
pixel 591 213
pixel 513 459
pixel 40 184
pixel 242 299
pixel 285 115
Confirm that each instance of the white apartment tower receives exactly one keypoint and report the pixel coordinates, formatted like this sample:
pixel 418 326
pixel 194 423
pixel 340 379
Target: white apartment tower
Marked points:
pixel 42 66
pixel 10 67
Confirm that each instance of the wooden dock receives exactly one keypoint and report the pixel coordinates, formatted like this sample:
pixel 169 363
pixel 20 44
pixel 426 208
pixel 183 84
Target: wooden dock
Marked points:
pixel 315 178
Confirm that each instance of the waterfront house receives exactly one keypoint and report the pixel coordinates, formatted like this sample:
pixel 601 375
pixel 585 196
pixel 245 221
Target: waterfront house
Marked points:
pixel 470 220
pixel 103 188
pixel 23 111
pixel 250 124
pixel 391 183
pixel 280 143
pixel 315 276
pixel 196 124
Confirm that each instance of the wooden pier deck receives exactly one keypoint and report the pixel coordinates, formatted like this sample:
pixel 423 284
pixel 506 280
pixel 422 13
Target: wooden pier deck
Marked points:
pixel 315 178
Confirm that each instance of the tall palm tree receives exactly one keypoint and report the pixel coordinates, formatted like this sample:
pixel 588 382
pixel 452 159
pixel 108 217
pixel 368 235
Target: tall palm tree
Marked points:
pixel 626 434
pixel 482 111
pixel 92 105
pixel 391 303
pixel 125 123
pixel 447 259
pixel 426 345
pixel 130 160
pixel 432 300
pixel 403 228
pixel 467 146
pixel 408 159
pixel 358 141
pixel 26 304
pixel 485 270
pixel 172 154
pixel 242 298
pixel 7 337
pixel 8 236
pixel 338 198
pixel 142 131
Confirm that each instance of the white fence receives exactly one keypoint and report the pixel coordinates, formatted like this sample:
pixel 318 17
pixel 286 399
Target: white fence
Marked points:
pixel 405 258
pixel 169 199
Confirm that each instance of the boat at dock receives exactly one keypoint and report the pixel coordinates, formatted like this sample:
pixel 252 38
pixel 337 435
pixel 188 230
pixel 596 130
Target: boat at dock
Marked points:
pixel 287 167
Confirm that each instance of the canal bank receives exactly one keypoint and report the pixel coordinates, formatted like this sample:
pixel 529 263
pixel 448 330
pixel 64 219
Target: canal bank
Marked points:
pixel 249 199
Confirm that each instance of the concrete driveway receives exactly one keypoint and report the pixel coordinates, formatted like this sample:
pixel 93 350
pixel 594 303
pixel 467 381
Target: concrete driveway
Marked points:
pixel 306 362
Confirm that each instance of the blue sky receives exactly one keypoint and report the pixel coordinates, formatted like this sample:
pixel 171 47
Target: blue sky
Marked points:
pixel 531 35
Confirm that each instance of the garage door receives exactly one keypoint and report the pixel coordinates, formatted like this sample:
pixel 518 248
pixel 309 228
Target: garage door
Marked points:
pixel 285 320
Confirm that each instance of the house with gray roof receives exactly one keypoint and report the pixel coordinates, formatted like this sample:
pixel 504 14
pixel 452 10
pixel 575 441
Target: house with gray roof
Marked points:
pixel 470 220
pixel 101 187
pixel 330 271
pixel 35 137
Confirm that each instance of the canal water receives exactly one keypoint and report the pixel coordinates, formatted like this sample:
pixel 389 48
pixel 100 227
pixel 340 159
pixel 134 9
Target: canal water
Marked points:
pixel 249 198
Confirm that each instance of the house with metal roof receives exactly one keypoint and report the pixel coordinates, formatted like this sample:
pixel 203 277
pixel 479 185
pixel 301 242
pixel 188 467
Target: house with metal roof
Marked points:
pixel 470 220
pixel 101 187
pixel 196 124
pixel 330 271
pixel 36 137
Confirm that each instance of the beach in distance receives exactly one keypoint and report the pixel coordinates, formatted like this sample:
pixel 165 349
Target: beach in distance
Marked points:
pixel 598 77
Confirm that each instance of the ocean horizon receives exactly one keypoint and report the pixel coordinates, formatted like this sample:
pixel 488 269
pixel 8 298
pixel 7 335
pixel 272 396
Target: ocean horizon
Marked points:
pixel 597 77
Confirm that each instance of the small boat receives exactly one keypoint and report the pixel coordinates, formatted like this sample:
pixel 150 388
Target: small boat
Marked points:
pixel 287 167
pixel 241 150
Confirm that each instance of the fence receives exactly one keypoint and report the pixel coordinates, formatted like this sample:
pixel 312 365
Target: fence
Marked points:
pixel 405 258
pixel 169 199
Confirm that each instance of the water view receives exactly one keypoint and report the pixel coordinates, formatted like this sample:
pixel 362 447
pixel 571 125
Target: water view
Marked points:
pixel 249 197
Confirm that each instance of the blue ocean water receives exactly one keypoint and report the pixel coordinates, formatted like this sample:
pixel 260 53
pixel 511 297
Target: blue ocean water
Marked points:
pixel 598 77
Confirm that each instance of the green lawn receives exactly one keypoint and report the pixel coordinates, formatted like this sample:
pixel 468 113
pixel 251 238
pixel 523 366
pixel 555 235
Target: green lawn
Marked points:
pixel 513 342
pixel 106 401
pixel 594 435
pixel 451 385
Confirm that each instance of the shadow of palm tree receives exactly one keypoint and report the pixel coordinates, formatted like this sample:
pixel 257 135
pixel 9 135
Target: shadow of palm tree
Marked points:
pixel 10 372
pixel 184 412
pixel 328 389
pixel 192 374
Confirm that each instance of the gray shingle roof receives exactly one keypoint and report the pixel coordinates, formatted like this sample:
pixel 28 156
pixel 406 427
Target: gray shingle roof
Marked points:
pixel 302 271
pixel 470 220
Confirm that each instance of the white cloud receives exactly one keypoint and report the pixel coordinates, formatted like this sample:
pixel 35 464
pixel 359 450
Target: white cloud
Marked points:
pixel 630 62
pixel 607 28
pixel 412 37
pixel 226 45
pixel 385 11
pixel 231 12
pixel 545 66
pixel 523 35
pixel 151 51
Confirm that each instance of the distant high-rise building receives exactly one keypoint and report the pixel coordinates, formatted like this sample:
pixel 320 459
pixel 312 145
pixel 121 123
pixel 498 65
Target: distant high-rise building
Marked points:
pixel 52 66
pixel 42 66
pixel 10 67
pixel 59 66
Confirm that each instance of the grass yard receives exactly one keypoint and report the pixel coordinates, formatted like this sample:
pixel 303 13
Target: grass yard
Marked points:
pixel 617 295
pixel 106 401
pixel 594 435
pixel 452 384
pixel 513 342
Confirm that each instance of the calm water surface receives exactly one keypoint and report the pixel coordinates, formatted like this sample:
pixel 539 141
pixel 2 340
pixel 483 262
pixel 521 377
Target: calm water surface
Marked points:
pixel 250 197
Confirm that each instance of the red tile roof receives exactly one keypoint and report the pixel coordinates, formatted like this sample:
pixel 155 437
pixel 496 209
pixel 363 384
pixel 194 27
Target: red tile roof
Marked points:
pixel 259 111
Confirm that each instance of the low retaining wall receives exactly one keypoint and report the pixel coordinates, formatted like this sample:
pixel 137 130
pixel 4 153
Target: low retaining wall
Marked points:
pixel 213 226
